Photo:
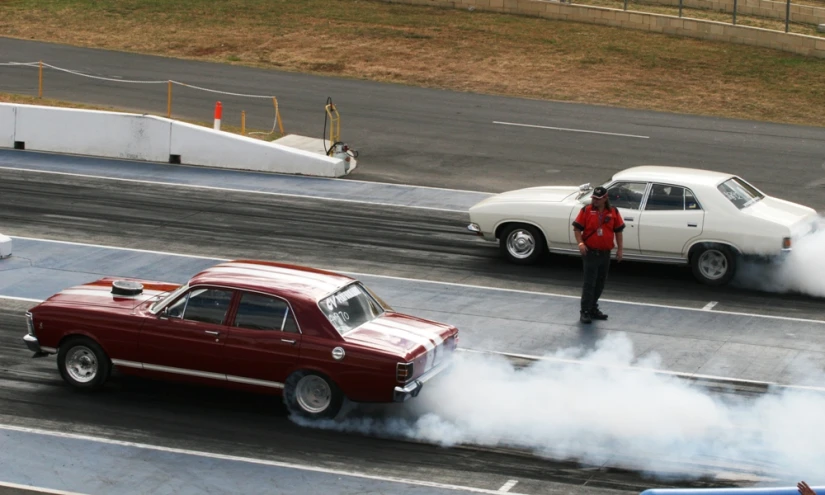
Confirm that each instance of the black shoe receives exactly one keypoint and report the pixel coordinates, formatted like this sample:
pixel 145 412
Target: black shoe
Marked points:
pixel 585 317
pixel 597 315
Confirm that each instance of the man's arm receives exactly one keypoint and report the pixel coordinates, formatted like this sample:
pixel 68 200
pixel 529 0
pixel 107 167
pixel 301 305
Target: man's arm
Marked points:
pixel 580 241
pixel 620 244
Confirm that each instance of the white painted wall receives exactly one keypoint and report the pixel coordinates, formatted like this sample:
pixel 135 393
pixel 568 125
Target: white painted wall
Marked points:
pixel 7 119
pixel 151 138
pixel 198 145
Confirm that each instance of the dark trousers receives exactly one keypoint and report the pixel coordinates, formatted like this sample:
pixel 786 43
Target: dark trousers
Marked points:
pixel 596 264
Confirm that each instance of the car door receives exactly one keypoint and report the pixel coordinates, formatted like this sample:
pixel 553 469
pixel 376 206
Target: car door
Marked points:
pixel 628 197
pixel 188 336
pixel 264 341
pixel 671 218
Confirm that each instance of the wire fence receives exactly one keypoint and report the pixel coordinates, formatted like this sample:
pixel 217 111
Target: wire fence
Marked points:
pixel 277 123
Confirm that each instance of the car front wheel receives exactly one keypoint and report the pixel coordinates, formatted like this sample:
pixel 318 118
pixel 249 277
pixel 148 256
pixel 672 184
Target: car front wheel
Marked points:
pixel 83 364
pixel 522 244
pixel 713 265
pixel 312 396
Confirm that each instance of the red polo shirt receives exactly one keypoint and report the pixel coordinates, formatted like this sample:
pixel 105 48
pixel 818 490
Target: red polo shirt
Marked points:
pixel 590 219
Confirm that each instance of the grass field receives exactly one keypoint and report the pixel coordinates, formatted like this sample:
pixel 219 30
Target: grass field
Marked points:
pixel 444 48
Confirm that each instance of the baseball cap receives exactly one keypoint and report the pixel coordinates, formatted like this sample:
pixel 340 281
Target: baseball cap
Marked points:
pixel 599 193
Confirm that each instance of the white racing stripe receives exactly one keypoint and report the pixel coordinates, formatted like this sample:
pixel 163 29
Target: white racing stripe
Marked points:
pixel 107 293
pixel 398 329
pixel 260 272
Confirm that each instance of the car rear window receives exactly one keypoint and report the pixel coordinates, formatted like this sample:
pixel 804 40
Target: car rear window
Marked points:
pixel 739 192
pixel 350 307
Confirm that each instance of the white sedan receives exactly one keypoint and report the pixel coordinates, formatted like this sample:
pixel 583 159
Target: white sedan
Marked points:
pixel 673 215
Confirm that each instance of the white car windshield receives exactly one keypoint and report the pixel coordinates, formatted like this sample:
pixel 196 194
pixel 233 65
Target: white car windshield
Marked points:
pixel 739 192
pixel 350 307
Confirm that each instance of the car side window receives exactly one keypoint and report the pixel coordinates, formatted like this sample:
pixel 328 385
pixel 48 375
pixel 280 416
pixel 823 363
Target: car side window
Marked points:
pixel 203 305
pixel 258 312
pixel 627 195
pixel 691 203
pixel 664 197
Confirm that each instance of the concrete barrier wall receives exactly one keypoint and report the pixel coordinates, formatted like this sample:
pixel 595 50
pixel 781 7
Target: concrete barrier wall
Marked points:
pixel 201 146
pixel 694 28
pixel 7 118
pixel 151 138
pixel 763 8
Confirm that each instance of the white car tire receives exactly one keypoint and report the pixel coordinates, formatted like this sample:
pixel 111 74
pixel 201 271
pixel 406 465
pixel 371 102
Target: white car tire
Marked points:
pixel 522 244
pixel 713 264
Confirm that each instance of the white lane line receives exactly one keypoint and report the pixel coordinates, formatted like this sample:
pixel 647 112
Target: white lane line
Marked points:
pixel 710 305
pixel 436 282
pixel 508 486
pixel 571 130
pixel 677 374
pixel 37 489
pixel 230 189
pixel 26 299
pixel 249 460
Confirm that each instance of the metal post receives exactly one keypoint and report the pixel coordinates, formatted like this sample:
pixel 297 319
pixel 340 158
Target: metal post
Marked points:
pixel 169 101
pixel 734 12
pixel 40 81
pixel 787 15
pixel 680 8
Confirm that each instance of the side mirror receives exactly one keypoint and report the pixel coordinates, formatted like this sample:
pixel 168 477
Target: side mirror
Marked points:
pixel 584 187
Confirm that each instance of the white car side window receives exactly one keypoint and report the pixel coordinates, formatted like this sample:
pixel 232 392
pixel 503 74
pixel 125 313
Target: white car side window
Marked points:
pixel 627 195
pixel 664 197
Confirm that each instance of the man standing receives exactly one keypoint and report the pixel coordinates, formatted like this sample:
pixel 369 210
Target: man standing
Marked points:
pixel 595 228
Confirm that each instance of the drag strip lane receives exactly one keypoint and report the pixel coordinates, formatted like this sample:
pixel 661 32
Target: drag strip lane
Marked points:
pixel 344 236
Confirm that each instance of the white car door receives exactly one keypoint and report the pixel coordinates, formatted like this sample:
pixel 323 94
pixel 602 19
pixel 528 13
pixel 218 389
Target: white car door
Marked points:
pixel 671 218
pixel 627 197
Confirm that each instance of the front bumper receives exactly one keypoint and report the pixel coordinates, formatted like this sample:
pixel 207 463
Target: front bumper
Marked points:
pixel 32 343
pixel 412 389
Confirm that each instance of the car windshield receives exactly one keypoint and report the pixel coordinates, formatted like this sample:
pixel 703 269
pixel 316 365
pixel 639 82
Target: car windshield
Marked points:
pixel 350 307
pixel 166 297
pixel 739 192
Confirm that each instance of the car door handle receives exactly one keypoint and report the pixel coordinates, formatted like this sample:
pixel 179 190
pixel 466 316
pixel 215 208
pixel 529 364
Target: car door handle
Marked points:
pixel 288 341
pixel 628 219
pixel 692 225
pixel 212 332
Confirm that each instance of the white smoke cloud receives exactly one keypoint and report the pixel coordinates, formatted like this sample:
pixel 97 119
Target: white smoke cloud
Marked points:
pixel 602 412
pixel 803 271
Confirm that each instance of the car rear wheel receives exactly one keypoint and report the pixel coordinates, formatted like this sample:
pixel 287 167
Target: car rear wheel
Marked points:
pixel 521 244
pixel 83 364
pixel 311 395
pixel 713 265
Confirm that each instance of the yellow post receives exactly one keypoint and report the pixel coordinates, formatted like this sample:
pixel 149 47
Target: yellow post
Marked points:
pixel 40 81
pixel 169 101
pixel 334 125
pixel 243 123
pixel 278 115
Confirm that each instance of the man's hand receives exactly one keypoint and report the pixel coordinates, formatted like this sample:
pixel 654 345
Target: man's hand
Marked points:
pixel 582 248
pixel 804 489
pixel 619 255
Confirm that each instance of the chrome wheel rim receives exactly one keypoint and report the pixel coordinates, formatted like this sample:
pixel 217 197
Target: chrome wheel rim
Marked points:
pixel 81 364
pixel 521 244
pixel 313 394
pixel 713 264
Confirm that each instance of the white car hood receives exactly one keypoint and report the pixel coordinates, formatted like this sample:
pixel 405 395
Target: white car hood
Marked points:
pixel 547 194
pixel 781 212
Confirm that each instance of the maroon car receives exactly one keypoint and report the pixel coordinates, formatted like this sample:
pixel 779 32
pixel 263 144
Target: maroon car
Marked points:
pixel 314 336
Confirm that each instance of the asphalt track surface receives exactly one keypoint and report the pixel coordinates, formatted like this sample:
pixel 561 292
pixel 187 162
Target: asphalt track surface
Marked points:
pixel 406 135
pixel 428 137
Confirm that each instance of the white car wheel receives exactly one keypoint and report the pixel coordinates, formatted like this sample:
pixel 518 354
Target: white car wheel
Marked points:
pixel 522 244
pixel 714 265
pixel 311 395
pixel 83 363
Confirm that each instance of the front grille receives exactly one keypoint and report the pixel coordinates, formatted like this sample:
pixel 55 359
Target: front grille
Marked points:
pixel 30 323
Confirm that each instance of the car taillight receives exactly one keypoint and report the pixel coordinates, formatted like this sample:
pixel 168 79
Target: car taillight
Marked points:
pixel 30 323
pixel 786 243
pixel 403 372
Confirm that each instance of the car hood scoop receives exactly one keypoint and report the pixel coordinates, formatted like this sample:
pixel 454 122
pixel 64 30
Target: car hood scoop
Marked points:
pixel 109 292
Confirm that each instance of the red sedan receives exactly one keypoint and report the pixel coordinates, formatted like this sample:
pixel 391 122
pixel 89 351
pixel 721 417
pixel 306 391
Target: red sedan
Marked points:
pixel 314 336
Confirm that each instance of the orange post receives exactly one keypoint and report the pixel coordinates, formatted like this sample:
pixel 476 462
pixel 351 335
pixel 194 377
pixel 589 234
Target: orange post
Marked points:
pixel 218 114
pixel 243 123
pixel 40 81
pixel 278 115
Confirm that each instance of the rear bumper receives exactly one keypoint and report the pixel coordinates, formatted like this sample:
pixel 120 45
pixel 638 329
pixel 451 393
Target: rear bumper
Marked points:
pixel 412 389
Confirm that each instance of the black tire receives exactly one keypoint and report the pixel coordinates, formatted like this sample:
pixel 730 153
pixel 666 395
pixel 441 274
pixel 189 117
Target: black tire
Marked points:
pixel 83 364
pixel 521 244
pixel 311 395
pixel 713 264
